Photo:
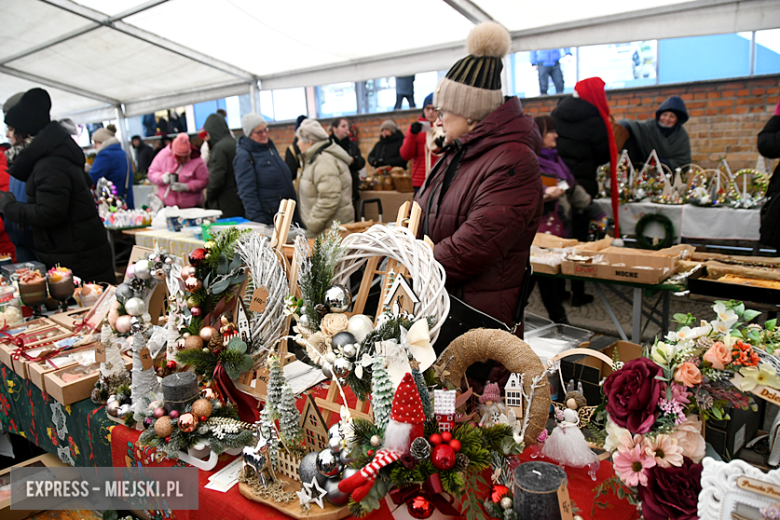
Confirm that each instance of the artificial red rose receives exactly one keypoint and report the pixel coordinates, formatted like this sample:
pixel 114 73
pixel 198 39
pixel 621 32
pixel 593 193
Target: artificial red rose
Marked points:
pixel 632 395
pixel 672 492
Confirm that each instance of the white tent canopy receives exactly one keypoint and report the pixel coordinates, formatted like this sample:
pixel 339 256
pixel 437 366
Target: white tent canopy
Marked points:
pixel 96 57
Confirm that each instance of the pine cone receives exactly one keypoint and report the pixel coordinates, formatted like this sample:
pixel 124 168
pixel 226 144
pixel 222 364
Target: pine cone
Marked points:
pixel 215 343
pixel 705 343
pixel 421 449
pixel 95 396
pixel 461 462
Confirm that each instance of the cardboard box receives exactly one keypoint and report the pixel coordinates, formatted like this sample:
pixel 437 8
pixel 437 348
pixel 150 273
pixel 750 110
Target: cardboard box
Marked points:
pixel 624 266
pixel 37 370
pixel 71 318
pixel 69 392
pixel 591 371
pixel 48 461
pixel 33 339
pixel 728 437
pixel 545 268
pixel 7 348
pixel 549 241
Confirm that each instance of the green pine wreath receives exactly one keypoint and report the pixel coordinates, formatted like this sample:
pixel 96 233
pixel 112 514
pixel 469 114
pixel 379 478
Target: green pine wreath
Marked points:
pixel 645 242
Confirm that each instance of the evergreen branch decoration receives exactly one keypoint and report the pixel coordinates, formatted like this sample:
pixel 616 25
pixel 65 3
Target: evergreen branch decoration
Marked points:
pixel 315 272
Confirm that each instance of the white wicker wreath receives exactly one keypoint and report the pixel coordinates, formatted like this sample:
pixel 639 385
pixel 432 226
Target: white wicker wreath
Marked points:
pixel 428 276
pixel 265 270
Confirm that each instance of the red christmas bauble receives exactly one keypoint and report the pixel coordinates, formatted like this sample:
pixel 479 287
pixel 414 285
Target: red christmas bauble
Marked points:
pixel 197 256
pixel 443 457
pixel 195 311
pixel 191 271
pixel 420 507
pixel 498 492
pixel 173 414
pixel 167 439
pixel 435 439
pixel 202 418
pixel 455 445
pixel 171 364
pixel 370 453
pixel 446 436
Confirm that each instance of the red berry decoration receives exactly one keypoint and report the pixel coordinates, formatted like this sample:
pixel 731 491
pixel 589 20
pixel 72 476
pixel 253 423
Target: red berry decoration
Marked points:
pixel 435 439
pixel 167 439
pixel 171 364
pixel 420 507
pixel 197 256
pixel 202 418
pixel 370 453
pixel 455 445
pixel 446 436
pixel 443 457
pixel 195 311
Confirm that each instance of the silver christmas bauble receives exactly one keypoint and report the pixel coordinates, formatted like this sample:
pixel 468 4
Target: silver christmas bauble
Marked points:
pixel 308 469
pixel 350 351
pixel 342 339
pixel 124 292
pixel 345 459
pixel 143 270
pixel 112 408
pixel 334 431
pixel 342 367
pixel 333 495
pixel 506 503
pixel 335 444
pixel 337 298
pixel 359 326
pixel 304 321
pixel 135 307
pixel 330 357
pixel 328 463
pixel 136 324
pixel 327 370
pixel 348 472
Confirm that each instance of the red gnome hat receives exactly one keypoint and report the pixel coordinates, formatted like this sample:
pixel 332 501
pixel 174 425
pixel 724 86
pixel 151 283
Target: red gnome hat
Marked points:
pixel 407 405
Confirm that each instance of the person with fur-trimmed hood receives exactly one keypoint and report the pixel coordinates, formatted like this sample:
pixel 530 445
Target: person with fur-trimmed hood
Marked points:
pixel 112 163
pixel 482 203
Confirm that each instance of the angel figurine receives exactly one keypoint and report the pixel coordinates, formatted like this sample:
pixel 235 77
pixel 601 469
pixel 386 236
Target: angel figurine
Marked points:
pixel 567 445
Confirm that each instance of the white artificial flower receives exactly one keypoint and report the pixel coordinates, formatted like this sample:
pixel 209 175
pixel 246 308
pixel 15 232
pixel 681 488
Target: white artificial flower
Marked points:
pixel 614 433
pixel 662 353
pixel 727 316
pixel 687 333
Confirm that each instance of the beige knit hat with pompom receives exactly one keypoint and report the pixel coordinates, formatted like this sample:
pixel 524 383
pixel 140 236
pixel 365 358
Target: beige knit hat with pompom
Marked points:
pixel 472 87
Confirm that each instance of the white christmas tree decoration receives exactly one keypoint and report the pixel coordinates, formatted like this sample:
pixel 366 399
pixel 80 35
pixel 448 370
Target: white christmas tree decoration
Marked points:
pixel 144 382
pixel 172 336
pixel 289 419
pixel 276 382
pixel 114 365
pixel 382 393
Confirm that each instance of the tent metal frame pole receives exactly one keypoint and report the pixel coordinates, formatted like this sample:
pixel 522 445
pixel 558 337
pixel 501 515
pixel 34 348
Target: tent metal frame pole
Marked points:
pixel 253 96
pixel 469 10
pixel 121 122
pixel 56 84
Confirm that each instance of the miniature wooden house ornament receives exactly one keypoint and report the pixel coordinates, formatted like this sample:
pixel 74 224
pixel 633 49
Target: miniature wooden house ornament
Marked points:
pixel 444 409
pixel 400 298
pixel 513 394
pixel 315 432
pixel 242 321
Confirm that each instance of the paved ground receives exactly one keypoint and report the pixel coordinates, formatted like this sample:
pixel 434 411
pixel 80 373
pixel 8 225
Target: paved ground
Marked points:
pixel 595 318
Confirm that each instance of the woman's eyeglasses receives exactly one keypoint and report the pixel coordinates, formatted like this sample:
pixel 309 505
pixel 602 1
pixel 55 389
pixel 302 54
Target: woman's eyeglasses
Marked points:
pixel 440 113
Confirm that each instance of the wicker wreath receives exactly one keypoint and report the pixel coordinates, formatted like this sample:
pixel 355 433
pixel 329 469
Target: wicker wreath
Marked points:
pixel 265 270
pixel 515 354
pixel 428 276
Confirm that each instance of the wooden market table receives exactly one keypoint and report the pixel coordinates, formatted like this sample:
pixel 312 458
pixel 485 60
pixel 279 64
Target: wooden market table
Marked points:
pixel 391 202
pixel 639 301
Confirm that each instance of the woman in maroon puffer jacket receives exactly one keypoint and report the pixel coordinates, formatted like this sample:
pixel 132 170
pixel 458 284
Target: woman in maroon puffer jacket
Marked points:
pixel 482 203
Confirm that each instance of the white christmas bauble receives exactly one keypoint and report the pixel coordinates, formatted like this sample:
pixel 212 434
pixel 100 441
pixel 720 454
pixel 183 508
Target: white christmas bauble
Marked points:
pixel 142 270
pixel 327 370
pixel 359 326
pixel 135 307
pixel 350 351
pixel 330 357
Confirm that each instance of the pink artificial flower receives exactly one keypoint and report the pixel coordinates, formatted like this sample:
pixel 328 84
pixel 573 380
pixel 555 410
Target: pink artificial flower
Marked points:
pixel 631 465
pixel 719 355
pixel 628 441
pixel 665 450
pixel 680 394
pixel 688 374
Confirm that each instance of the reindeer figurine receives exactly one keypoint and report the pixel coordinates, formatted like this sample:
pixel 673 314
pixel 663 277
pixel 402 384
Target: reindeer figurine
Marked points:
pixel 257 460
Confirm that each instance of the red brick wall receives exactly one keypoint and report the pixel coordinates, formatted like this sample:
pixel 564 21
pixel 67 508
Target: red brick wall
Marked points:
pixel 725 117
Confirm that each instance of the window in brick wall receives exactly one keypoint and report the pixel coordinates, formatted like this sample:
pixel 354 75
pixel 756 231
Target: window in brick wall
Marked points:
pixel 698 58
pixel 767 52
pixel 620 65
pixel 337 99
pixel 283 104
pixel 525 81
pixel 380 94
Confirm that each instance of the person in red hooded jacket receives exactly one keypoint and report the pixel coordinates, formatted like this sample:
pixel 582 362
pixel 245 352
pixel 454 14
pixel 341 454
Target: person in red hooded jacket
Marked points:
pixel 422 144
pixel 482 203
pixel 6 246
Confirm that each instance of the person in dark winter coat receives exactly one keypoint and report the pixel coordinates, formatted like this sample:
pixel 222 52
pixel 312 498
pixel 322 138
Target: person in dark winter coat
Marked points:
pixel 339 134
pixel 262 177
pixel 482 203
pixel 143 153
pixel 293 157
pixel 113 164
pixel 769 146
pixel 387 151
pixel 222 192
pixel 21 236
pixel 60 208
pixel 664 133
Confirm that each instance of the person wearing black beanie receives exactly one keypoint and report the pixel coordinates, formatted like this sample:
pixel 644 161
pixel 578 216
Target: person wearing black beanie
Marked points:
pixel 292 156
pixel 60 208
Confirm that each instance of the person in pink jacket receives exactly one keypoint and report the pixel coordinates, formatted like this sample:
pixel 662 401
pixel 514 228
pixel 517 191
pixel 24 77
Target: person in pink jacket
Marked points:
pixel 180 174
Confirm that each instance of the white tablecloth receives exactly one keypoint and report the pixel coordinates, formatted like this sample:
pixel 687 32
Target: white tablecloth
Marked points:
pixel 689 221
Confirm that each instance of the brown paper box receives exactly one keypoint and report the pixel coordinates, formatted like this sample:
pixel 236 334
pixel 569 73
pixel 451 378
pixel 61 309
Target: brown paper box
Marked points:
pixel 634 268
pixel 70 392
pixel 7 348
pixel 545 268
pixel 46 460
pixel 549 241
pixel 71 318
pixel 20 365
pixel 36 371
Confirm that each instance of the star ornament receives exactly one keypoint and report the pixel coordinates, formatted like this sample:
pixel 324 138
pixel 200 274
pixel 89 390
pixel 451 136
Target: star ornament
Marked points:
pixel 308 488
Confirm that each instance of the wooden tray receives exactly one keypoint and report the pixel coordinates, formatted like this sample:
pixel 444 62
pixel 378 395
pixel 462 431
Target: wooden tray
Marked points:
pixel 293 508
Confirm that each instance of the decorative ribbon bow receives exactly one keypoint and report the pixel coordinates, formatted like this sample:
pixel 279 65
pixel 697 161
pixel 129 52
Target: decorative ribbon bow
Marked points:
pixel 431 490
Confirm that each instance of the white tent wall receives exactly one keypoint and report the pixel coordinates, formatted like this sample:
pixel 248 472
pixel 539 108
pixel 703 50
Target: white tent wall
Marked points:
pixel 149 55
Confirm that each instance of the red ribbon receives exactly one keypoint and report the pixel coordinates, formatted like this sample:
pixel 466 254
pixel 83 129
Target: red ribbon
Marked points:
pixel 431 490
pixel 245 404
